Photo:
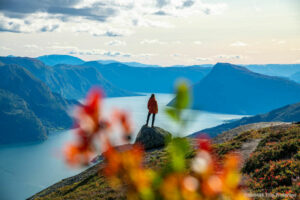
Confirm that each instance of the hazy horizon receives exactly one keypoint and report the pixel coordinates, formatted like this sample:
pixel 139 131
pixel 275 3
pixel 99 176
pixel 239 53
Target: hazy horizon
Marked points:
pixel 134 61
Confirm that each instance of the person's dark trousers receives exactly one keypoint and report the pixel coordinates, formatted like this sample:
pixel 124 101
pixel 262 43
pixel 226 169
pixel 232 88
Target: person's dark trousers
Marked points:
pixel 153 118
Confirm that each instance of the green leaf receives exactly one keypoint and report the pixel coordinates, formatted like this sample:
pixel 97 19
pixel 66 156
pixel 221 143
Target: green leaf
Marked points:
pixel 173 114
pixel 178 149
pixel 182 96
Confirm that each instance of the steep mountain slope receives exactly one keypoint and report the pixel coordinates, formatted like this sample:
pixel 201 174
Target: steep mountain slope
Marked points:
pixel 273 166
pixel 52 60
pixel 75 81
pixel 289 113
pixel 72 82
pixel 37 68
pixel 49 107
pixel 236 90
pixel 148 79
pixel 18 123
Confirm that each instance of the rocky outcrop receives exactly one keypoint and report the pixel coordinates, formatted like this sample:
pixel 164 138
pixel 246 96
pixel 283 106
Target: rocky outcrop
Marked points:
pixel 152 137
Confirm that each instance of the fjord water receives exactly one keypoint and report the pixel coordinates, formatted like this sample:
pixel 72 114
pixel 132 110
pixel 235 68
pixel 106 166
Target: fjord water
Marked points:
pixel 27 169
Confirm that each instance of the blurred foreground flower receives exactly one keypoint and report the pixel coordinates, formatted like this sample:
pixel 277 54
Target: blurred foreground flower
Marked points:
pixel 180 178
pixel 92 129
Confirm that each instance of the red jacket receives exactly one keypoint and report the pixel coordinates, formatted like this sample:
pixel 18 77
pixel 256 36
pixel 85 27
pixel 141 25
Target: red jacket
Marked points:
pixel 152 105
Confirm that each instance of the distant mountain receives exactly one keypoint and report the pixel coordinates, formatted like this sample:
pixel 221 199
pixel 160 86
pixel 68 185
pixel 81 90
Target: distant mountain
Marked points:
pixel 132 64
pixel 72 82
pixel 285 70
pixel 202 65
pixel 236 90
pixel 105 62
pixel 18 123
pixel 137 64
pixel 52 60
pixel 30 105
pixel 282 70
pixel 296 77
pixel 289 113
pixel 148 79
pixel 75 81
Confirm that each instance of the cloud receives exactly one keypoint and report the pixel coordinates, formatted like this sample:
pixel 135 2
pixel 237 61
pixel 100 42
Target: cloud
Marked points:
pixel 162 3
pixel 276 41
pixel 143 22
pixel 22 8
pixel 188 3
pixel 21 14
pixel 177 42
pixel 202 59
pixel 34 23
pixel 50 28
pixel 115 54
pixel 99 30
pixel 153 41
pixel 198 42
pixel 239 44
pixel 229 57
pixel 5 48
pixel 219 58
pixel 31 46
pixel 64 48
pixel 160 12
pixel 99 52
pixel 175 55
pixel 116 43
pixel 145 55
pixel 107 33
pixel 193 8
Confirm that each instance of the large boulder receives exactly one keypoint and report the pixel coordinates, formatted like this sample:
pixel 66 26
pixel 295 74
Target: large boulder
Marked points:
pixel 152 137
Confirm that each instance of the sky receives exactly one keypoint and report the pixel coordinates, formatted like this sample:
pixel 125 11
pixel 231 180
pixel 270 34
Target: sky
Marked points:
pixel 164 32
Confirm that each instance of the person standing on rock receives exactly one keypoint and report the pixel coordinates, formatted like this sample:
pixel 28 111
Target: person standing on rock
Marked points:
pixel 153 109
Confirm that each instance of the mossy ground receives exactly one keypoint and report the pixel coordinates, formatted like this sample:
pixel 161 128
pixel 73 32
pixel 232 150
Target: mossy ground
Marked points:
pixel 276 155
pixel 274 167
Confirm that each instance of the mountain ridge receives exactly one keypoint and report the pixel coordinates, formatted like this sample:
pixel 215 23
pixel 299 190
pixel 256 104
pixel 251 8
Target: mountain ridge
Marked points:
pixel 149 79
pixel 234 89
pixel 289 113
pixel 54 59
pixel 22 123
pixel 59 77
pixel 296 77
pixel 30 101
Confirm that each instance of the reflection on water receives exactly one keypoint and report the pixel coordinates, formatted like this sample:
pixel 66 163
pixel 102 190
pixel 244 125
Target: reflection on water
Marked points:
pixel 27 169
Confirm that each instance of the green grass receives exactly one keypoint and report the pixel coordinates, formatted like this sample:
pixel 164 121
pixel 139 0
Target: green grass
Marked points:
pixel 237 142
pixel 272 167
